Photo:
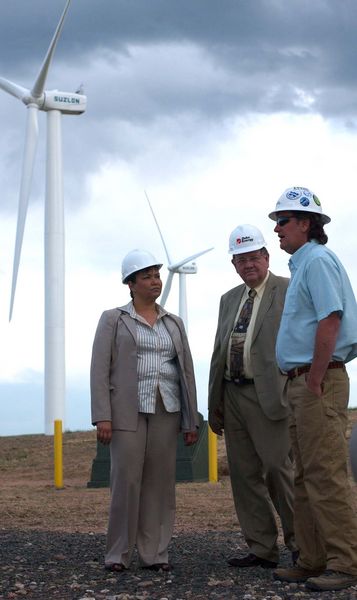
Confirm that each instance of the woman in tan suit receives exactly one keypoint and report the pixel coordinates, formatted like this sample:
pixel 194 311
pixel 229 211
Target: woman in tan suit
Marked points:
pixel 143 393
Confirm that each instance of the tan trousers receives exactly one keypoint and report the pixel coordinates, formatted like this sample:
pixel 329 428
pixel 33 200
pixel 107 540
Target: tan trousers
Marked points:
pixel 261 471
pixel 142 481
pixel 325 524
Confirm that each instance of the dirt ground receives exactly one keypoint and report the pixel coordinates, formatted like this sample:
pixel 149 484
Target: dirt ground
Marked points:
pixel 29 499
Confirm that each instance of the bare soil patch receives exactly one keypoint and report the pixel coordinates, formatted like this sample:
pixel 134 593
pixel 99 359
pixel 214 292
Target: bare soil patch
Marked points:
pixel 30 501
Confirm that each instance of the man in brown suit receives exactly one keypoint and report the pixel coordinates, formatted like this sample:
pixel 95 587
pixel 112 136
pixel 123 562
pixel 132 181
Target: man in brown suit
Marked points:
pixel 245 400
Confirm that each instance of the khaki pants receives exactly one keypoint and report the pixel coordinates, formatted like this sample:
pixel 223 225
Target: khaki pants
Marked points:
pixel 325 524
pixel 142 481
pixel 260 469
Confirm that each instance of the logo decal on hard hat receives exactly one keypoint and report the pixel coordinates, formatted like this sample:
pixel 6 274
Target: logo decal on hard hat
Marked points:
pixel 316 200
pixel 246 238
pixel 304 201
pixel 293 194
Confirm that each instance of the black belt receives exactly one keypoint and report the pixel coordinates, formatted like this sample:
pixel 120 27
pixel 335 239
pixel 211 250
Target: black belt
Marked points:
pixel 335 364
pixel 242 381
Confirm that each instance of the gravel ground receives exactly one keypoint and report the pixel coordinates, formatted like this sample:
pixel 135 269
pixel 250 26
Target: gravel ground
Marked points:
pixel 62 566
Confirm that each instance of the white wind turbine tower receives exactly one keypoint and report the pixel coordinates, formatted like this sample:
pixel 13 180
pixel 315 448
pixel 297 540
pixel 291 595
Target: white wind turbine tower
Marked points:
pixel 183 267
pixel 54 103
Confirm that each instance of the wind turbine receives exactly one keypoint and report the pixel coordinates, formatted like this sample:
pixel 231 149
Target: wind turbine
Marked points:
pixel 54 103
pixel 184 267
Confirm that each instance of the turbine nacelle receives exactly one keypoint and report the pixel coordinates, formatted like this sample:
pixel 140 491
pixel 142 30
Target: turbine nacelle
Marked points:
pixel 70 103
pixel 65 102
pixel 187 269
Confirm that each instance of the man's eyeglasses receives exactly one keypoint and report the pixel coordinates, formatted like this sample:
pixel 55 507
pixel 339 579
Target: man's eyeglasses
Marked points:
pixel 243 260
pixel 282 221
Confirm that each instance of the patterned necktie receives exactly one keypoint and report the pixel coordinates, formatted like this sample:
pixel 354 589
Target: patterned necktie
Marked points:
pixel 238 337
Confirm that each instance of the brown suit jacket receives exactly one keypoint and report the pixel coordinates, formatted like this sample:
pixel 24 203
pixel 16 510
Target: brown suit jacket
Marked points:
pixel 268 380
pixel 114 384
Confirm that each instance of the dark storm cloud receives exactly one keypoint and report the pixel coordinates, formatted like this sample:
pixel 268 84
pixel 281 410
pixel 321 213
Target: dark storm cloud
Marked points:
pixel 272 47
pixel 179 69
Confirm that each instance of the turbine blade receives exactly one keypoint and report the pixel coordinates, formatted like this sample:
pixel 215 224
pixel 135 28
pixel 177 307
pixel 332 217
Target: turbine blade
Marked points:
pixel 186 260
pixel 157 225
pixel 40 82
pixel 167 289
pixel 12 88
pixel 26 178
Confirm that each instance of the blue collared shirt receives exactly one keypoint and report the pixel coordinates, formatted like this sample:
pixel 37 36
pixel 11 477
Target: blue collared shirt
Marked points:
pixel 319 286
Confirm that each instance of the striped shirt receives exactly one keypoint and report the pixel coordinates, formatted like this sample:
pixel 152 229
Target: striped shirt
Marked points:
pixel 156 367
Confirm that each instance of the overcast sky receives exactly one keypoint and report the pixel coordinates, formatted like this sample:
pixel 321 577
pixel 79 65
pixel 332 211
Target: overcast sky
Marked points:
pixel 213 108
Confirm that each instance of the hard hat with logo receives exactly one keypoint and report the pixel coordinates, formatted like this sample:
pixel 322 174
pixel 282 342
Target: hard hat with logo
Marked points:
pixel 245 238
pixel 136 260
pixel 301 199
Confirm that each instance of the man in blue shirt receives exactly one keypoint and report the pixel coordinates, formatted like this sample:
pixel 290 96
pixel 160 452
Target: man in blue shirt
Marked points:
pixel 317 336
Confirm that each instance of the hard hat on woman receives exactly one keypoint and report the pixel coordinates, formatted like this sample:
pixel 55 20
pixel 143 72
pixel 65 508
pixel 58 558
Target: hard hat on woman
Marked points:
pixel 136 260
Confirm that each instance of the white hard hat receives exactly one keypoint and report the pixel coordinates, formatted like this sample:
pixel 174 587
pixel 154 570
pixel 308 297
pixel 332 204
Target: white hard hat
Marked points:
pixel 245 238
pixel 136 260
pixel 301 199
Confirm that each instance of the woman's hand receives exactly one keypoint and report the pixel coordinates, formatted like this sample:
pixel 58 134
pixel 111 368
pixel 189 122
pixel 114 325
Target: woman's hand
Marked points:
pixel 104 431
pixel 190 437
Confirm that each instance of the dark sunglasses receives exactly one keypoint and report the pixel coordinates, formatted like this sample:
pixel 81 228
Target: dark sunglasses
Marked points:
pixel 282 221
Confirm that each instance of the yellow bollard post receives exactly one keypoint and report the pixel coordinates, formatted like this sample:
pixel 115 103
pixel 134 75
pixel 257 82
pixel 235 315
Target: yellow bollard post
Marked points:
pixel 58 461
pixel 212 456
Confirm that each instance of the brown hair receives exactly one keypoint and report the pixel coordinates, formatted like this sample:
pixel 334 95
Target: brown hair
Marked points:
pixel 316 230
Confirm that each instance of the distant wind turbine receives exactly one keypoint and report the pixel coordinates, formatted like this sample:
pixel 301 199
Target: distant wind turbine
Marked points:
pixel 54 103
pixel 183 267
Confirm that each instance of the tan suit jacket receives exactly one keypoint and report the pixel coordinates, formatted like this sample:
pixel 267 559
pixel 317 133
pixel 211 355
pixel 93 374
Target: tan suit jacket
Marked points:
pixel 268 380
pixel 114 384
